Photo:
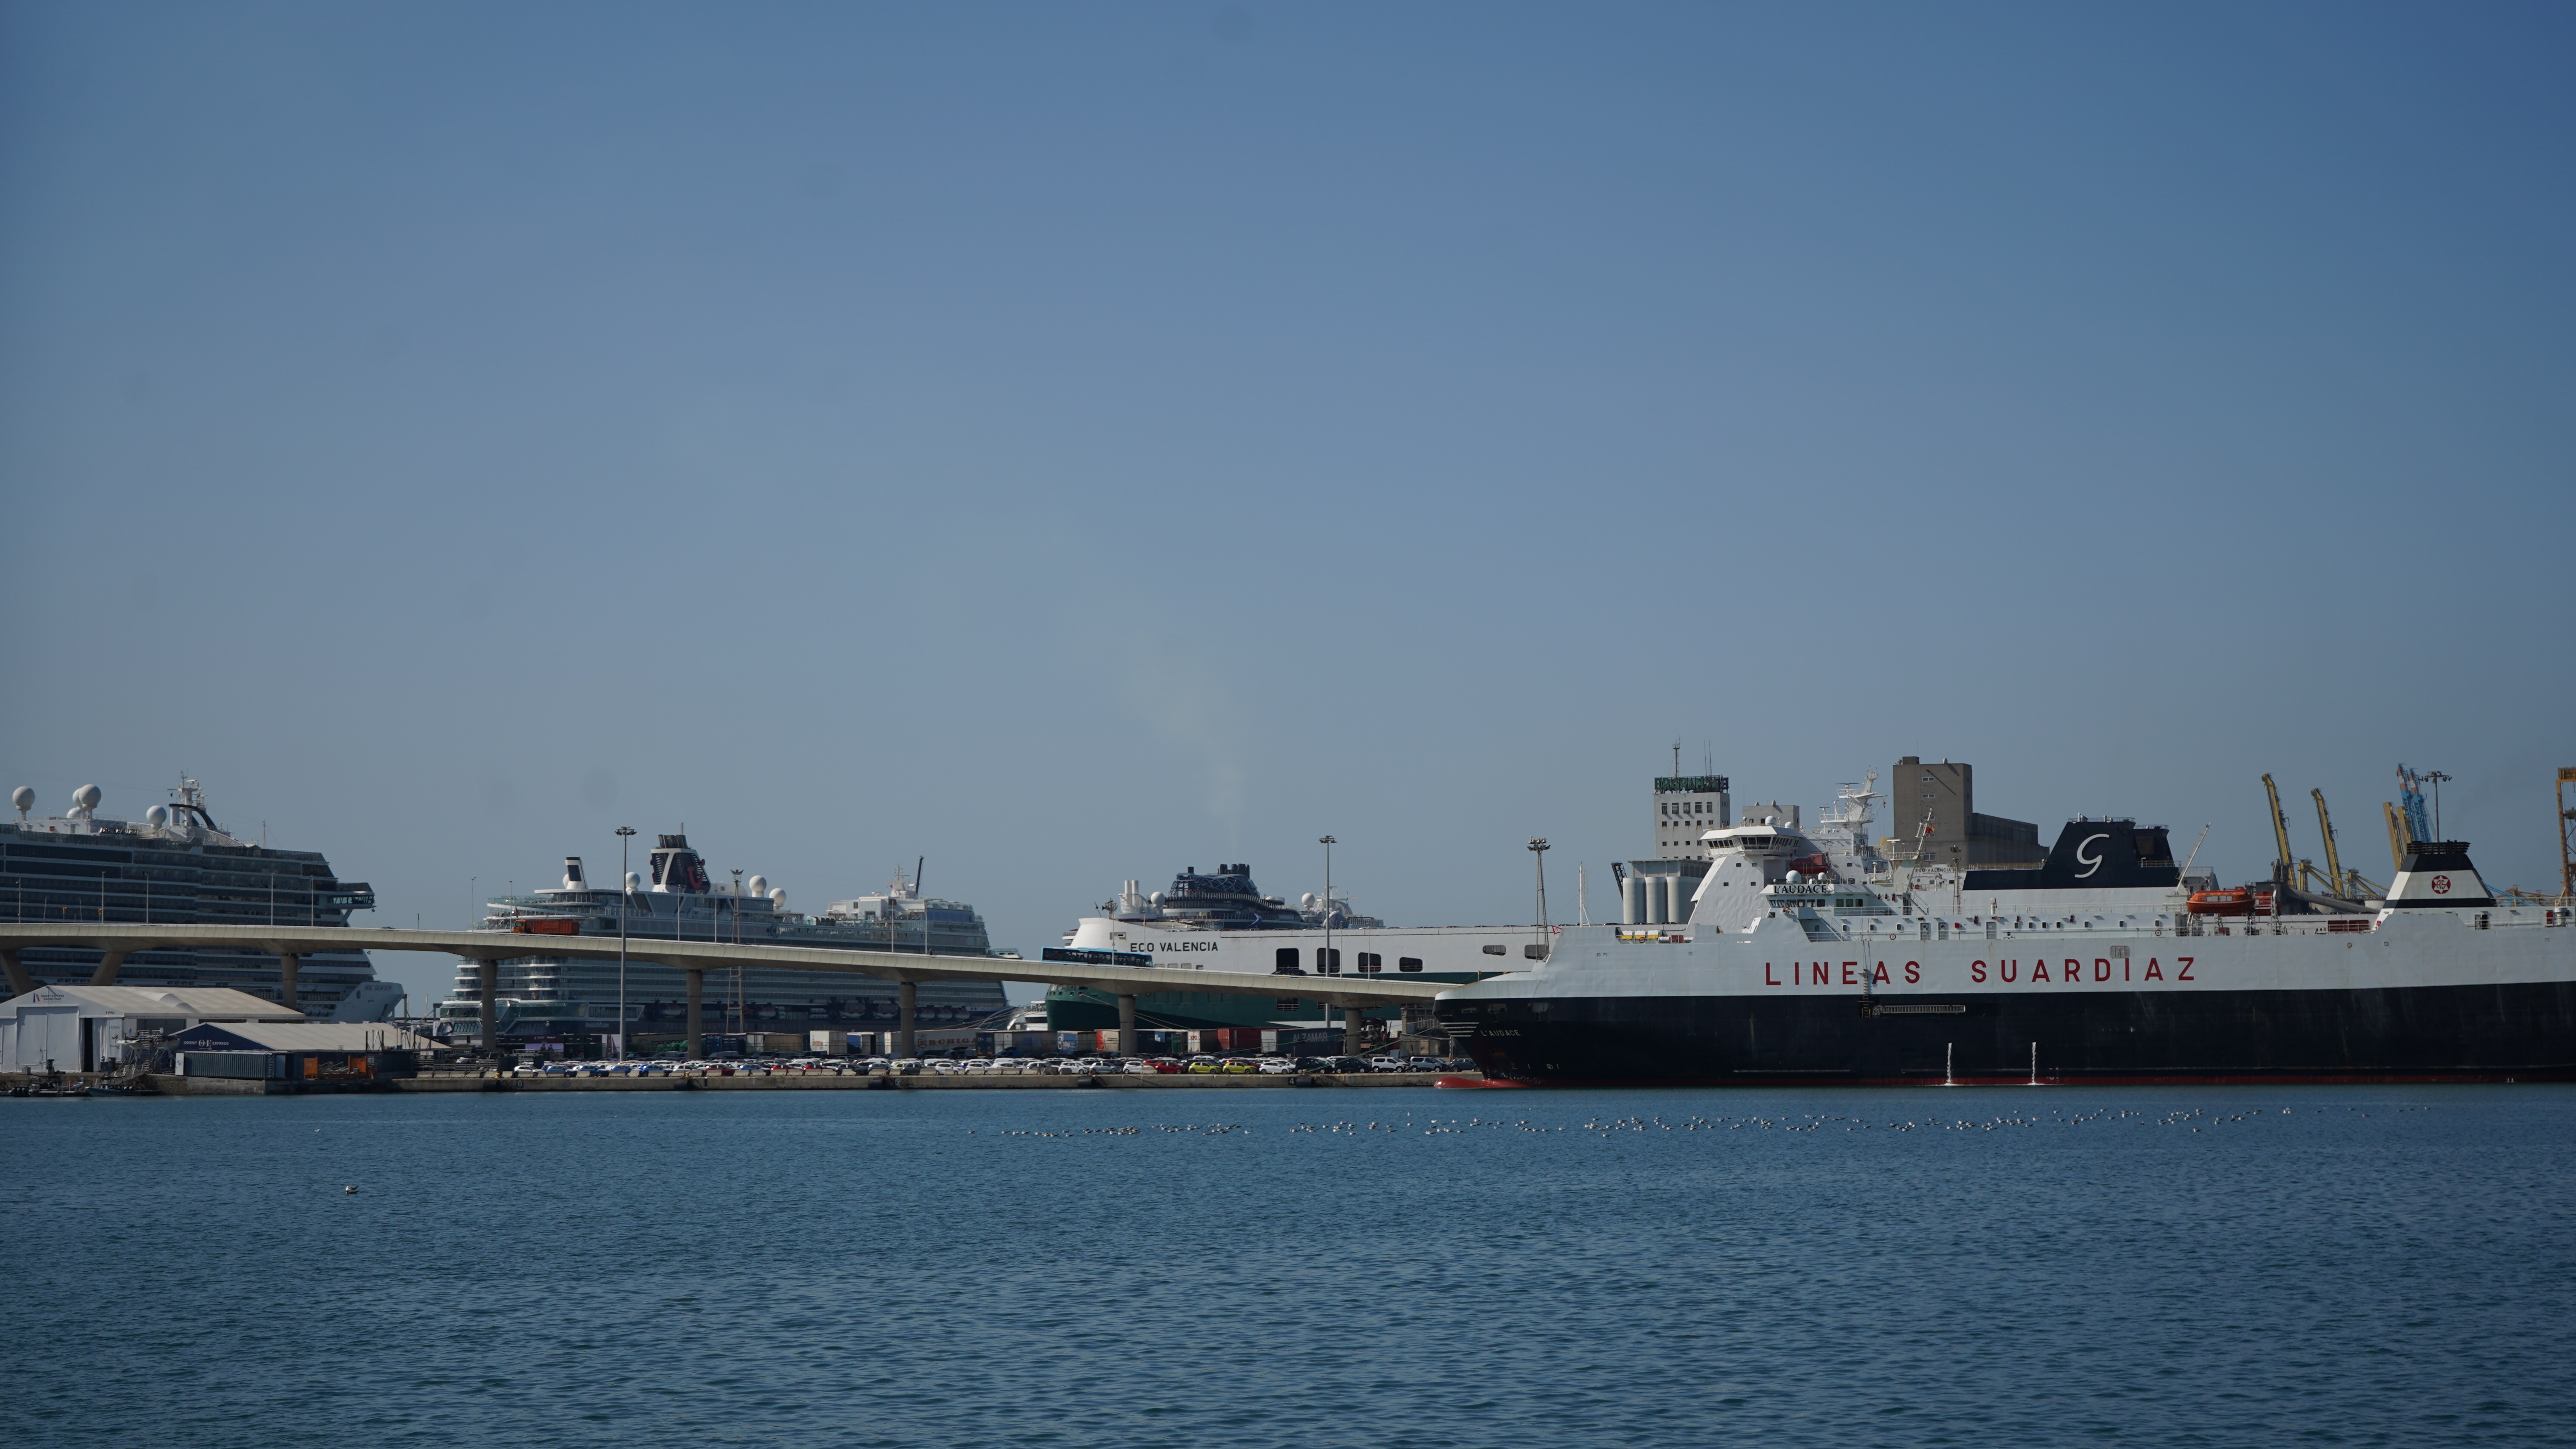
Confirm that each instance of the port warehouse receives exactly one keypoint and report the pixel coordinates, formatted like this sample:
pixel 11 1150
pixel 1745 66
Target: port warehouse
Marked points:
pixel 89 1028
pixel 297 1051
pixel 207 1031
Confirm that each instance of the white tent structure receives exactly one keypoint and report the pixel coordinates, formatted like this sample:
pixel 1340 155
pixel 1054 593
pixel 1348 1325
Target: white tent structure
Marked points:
pixel 84 1028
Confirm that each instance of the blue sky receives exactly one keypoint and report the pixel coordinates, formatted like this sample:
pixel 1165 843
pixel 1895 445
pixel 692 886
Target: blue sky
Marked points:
pixel 1074 443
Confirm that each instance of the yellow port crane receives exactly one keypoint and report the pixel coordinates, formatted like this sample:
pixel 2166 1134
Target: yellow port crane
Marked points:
pixel 2283 867
pixel 2566 859
pixel 2352 885
pixel 2399 836
pixel 2325 827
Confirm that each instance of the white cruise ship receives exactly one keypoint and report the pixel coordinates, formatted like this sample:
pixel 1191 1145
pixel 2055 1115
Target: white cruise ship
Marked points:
pixel 549 998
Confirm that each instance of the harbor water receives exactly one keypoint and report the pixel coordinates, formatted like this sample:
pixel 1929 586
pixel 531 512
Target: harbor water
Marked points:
pixel 1988 1266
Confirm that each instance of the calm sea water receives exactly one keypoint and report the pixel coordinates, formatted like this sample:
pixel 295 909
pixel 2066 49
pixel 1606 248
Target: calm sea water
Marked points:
pixel 1254 1268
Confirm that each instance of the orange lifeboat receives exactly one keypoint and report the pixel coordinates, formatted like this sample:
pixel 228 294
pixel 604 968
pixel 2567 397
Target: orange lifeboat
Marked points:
pixel 2237 902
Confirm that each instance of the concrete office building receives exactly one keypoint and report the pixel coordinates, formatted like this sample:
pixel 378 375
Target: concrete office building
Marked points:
pixel 1944 796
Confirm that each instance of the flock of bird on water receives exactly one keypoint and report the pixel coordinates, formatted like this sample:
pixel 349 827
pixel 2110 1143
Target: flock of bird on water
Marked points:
pixel 2195 1119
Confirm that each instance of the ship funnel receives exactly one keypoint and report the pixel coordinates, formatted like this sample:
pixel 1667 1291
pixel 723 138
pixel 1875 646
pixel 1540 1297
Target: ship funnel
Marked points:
pixel 2438 873
pixel 572 874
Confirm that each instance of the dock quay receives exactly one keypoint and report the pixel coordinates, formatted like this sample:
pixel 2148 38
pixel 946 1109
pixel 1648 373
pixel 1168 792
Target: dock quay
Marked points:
pixel 164 1084
pixel 921 1082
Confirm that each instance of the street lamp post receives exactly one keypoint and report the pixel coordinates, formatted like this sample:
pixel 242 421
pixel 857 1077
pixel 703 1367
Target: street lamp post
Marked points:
pixel 625 833
pixel 1538 854
pixel 2435 778
pixel 1327 966
pixel 742 1011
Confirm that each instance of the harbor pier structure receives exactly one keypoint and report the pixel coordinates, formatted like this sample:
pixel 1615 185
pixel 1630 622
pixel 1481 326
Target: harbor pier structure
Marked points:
pixel 693 959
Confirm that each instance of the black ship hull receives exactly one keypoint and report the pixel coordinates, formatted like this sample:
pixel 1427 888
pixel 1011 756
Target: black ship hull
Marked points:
pixel 2523 1032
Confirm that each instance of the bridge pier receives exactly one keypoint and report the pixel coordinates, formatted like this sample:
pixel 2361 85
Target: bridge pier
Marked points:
pixel 695 1046
pixel 20 983
pixel 109 959
pixel 907 995
pixel 1127 1026
pixel 1350 1031
pixel 287 962
pixel 487 985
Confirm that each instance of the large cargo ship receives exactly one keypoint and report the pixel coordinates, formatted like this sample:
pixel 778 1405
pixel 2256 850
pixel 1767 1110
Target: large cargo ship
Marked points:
pixel 2096 965
pixel 1220 921
pixel 549 997
pixel 176 866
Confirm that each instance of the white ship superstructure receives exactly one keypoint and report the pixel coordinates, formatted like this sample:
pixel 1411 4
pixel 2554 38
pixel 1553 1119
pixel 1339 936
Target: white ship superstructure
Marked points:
pixel 549 997
pixel 1220 921
pixel 2097 963
pixel 176 866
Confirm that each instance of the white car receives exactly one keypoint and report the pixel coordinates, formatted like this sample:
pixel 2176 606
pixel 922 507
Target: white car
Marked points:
pixel 1277 1066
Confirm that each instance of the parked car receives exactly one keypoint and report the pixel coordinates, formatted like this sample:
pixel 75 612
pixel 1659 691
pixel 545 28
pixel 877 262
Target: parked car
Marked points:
pixel 1277 1066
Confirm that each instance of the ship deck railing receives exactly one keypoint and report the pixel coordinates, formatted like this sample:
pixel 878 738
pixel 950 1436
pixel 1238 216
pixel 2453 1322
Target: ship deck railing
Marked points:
pixel 1922 929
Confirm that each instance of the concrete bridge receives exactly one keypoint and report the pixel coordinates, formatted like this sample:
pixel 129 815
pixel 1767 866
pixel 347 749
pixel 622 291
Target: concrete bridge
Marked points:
pixel 693 959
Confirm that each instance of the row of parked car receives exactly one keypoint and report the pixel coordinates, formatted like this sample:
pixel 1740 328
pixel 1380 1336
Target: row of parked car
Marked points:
pixel 1006 1066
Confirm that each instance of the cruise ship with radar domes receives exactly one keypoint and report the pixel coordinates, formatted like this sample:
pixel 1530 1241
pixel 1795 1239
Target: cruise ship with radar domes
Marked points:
pixel 1756 951
pixel 176 866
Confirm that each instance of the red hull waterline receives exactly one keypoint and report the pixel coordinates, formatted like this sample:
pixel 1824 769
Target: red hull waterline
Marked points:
pixel 2046 1079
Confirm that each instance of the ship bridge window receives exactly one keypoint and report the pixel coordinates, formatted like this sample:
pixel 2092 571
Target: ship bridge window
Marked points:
pixel 1408 963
